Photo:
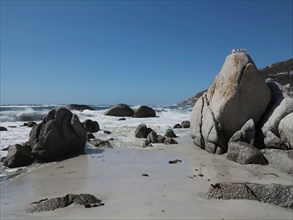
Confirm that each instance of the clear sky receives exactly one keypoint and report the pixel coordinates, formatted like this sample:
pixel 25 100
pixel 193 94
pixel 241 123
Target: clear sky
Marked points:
pixel 135 52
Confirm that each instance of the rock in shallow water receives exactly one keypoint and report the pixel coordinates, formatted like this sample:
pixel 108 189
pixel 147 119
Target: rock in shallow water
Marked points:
pixel 59 135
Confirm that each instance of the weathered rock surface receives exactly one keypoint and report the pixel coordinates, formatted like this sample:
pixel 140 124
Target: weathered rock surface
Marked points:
pixel 142 131
pixel 243 153
pixel 43 205
pixel 91 126
pixel 18 156
pixel 59 135
pixel 144 112
pixel 286 130
pixel 274 194
pixel 239 93
pixel 121 110
pixel 280 106
pixel 280 159
pixel 245 134
pixel 79 107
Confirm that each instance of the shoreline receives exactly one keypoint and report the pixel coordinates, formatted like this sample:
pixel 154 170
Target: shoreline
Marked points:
pixel 171 191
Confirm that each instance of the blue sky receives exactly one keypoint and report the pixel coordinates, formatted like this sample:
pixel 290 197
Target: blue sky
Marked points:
pixel 135 52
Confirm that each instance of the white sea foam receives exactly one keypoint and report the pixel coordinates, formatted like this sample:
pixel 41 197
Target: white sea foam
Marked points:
pixel 13 117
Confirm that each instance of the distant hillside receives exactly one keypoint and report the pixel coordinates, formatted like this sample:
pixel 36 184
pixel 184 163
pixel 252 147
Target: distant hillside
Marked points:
pixel 281 72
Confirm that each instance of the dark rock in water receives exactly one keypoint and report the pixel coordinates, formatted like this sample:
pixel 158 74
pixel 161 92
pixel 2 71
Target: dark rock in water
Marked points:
pixel 144 112
pixel 170 140
pixel 152 137
pixel 121 119
pixel 79 107
pixel 243 153
pixel 142 131
pixel 91 126
pixel 170 133
pixel 274 194
pixel 177 126
pixel 18 156
pixel 101 143
pixel 161 139
pixel 59 135
pixel 121 110
pixel 3 129
pixel 106 132
pixel 185 124
pixel 280 159
pixel 43 205
pixel 29 124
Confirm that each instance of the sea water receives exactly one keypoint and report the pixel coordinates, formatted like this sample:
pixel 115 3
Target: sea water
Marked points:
pixel 13 118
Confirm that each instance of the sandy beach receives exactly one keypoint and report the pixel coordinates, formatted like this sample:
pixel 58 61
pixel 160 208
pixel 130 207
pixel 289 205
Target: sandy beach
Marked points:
pixel 168 191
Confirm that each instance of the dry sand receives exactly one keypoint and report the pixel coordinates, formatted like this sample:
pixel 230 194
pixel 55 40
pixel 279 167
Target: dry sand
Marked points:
pixel 171 191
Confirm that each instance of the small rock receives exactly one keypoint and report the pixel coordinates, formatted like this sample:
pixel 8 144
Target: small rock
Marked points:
pixel 170 133
pixel 175 161
pixel 3 129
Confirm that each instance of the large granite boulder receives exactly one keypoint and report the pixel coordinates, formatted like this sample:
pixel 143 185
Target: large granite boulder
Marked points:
pixel 280 106
pixel 79 107
pixel 243 153
pixel 240 146
pixel 59 135
pixel 274 194
pixel 18 156
pixel 121 110
pixel 280 159
pixel 238 93
pixel 144 112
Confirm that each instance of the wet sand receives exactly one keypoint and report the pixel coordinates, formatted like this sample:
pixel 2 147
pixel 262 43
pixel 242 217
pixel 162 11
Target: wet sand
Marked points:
pixel 168 191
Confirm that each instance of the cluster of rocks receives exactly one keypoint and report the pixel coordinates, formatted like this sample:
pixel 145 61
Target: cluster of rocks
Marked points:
pixel 241 113
pixel 29 124
pixel 58 136
pixel 124 110
pixel 184 124
pixel 142 131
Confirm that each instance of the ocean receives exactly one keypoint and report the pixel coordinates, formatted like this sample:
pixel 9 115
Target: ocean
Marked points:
pixel 13 117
